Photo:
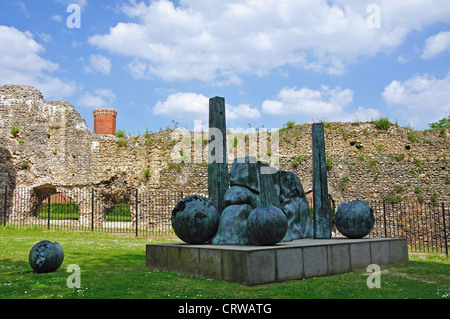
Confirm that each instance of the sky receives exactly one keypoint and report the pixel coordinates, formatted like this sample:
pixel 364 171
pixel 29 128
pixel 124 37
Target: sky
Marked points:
pixel 158 62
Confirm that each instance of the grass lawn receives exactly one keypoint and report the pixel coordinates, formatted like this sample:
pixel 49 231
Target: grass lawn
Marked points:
pixel 113 267
pixel 60 211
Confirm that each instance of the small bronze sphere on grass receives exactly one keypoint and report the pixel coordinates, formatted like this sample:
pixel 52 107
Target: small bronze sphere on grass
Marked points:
pixel 46 256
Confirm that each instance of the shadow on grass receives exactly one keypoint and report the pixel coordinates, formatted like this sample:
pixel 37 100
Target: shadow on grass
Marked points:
pixel 14 266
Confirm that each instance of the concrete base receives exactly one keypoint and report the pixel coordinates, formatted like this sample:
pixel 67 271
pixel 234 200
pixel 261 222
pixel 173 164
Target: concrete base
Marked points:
pixel 254 265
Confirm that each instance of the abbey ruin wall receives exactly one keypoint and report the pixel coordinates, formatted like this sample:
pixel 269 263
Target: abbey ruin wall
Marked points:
pixel 52 146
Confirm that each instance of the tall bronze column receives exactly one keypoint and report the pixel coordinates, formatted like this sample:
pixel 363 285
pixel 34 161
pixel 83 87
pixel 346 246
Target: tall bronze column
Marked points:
pixel 217 153
pixel 322 207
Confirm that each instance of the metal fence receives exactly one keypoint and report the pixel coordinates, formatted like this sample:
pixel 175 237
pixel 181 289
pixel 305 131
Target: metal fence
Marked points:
pixel 139 213
pixel 424 225
pixel 87 209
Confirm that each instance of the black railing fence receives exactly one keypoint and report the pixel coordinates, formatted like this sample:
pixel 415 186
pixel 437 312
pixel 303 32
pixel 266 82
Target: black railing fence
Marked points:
pixel 424 225
pixel 148 213
pixel 87 209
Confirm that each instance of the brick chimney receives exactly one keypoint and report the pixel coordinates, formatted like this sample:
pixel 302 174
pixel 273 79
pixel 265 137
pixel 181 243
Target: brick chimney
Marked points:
pixel 105 121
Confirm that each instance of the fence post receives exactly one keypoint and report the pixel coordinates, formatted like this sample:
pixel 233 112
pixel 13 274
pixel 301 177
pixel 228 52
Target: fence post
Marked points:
pixel 49 202
pixel 5 203
pixel 92 210
pixel 384 218
pixel 136 207
pixel 445 229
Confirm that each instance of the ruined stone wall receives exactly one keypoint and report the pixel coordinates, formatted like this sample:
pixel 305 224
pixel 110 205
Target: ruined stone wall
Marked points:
pixel 53 146
pixel 368 163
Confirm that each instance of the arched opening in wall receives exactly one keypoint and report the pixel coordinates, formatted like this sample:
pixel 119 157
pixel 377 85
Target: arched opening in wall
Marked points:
pixel 60 207
pixel 119 213
pixel 114 209
pixel 55 205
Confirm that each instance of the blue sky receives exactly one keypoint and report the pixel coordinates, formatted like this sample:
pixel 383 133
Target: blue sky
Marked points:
pixel 158 62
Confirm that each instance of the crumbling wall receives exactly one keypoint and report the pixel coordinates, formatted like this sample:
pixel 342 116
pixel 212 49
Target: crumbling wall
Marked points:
pixel 53 146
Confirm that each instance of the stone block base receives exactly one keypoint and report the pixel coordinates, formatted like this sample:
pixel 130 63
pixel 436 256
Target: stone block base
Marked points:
pixel 254 265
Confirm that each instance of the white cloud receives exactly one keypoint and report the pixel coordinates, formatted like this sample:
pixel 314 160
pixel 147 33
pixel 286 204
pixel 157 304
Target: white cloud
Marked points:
pixel 364 115
pixel 308 102
pixel 45 37
pixel 137 69
pixel 81 3
pixel 402 59
pixel 181 104
pixel 23 7
pixel 193 106
pixel 329 104
pixel 20 51
pixel 98 63
pixel 419 100
pixel 55 88
pixel 101 99
pixel 57 18
pixel 242 111
pixel 107 93
pixel 21 63
pixel 216 41
pixel 436 44
pixel 94 101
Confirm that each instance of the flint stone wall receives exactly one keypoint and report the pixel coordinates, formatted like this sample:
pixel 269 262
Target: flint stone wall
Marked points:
pixel 55 147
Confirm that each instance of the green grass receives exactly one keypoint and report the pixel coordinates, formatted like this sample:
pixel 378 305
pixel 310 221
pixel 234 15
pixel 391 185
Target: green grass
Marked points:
pixel 114 267
pixel 122 143
pixel 60 211
pixel 120 213
pixel 120 133
pixel 14 130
